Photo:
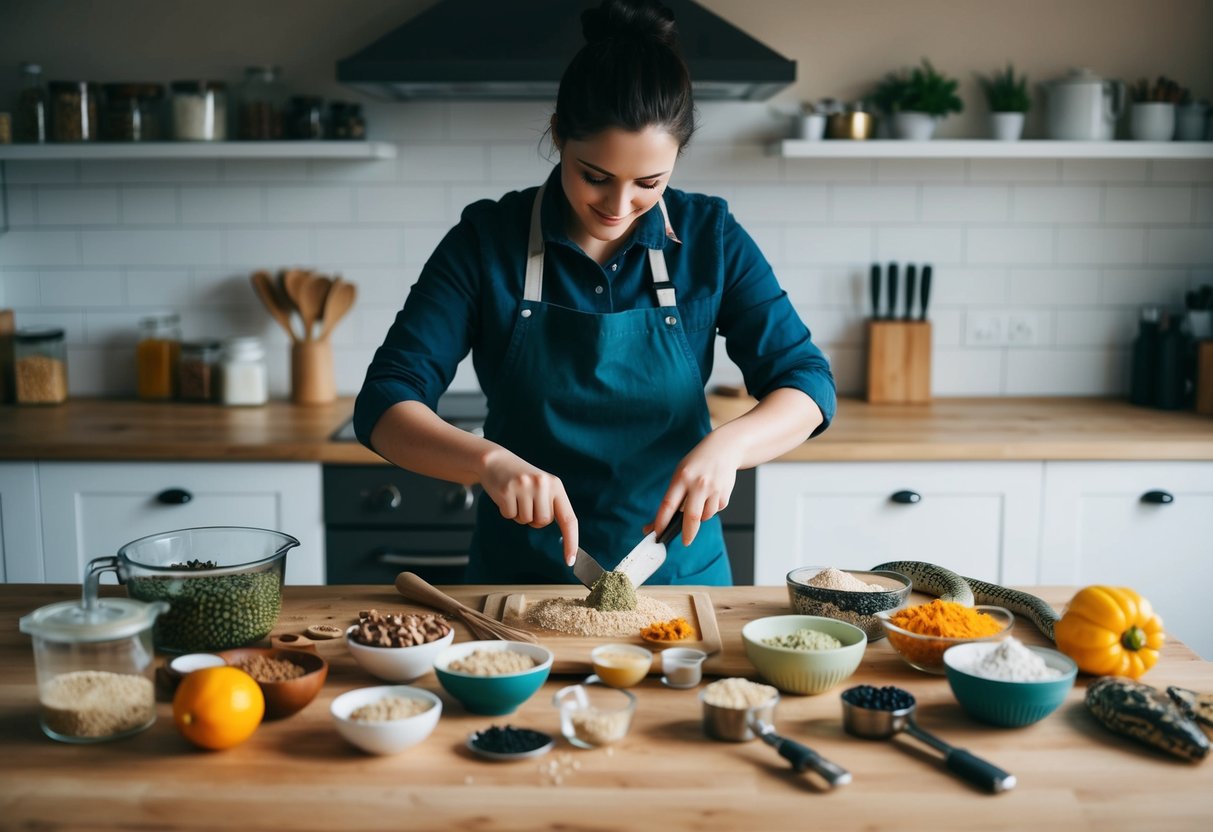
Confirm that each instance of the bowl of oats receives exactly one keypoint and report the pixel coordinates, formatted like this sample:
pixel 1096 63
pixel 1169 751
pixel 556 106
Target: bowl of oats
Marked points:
pixel 386 719
pixel 493 677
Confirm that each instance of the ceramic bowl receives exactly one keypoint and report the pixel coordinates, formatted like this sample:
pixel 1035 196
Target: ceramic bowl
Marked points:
pixel 858 608
pixel 493 695
pixel 803 671
pixel 621 665
pixel 1003 703
pixel 926 652
pixel 288 697
pixel 392 736
pixel 397 664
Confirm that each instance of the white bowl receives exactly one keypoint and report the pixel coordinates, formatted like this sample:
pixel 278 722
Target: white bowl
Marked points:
pixel 391 736
pixel 397 664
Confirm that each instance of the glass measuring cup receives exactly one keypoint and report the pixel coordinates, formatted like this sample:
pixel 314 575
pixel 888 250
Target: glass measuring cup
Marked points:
pixel 878 724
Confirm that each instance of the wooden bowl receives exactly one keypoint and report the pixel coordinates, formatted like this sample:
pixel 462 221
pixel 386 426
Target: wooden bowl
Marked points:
pixel 285 698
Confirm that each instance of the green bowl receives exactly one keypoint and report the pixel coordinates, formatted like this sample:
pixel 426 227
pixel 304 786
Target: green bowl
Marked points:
pixel 493 695
pixel 803 671
pixel 1002 703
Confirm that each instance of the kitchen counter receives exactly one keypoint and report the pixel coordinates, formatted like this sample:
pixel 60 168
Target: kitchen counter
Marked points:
pixel 945 429
pixel 298 774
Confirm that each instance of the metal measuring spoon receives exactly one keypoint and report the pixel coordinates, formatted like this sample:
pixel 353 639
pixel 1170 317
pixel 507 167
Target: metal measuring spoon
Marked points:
pixel 875 724
pixel 800 756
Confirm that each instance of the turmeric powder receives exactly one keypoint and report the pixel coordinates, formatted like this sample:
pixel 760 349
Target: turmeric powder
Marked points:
pixel 676 629
pixel 937 625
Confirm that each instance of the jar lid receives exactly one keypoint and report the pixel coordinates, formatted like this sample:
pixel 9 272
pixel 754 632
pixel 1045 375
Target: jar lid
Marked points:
pixel 134 90
pixel 198 86
pixel 33 335
pixel 109 619
pixel 200 347
pixel 244 346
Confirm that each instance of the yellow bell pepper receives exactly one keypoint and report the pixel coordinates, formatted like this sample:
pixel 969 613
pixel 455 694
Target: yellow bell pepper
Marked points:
pixel 1110 631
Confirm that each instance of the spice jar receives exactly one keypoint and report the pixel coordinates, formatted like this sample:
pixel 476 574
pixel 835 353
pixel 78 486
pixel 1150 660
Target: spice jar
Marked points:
pixel 93 661
pixel 305 118
pixel 199 111
pixel 156 356
pixel 31 121
pixel 199 363
pixel 345 121
pixel 132 112
pixel 73 111
pixel 40 366
pixel 261 99
pixel 242 372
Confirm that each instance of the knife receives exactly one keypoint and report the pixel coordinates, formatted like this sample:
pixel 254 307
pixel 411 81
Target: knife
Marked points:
pixel 892 291
pixel 874 288
pixel 926 292
pixel 586 568
pixel 640 563
pixel 911 275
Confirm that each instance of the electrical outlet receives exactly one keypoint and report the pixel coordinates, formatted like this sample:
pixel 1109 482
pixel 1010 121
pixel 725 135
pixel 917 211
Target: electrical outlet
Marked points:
pixel 985 329
pixel 1026 328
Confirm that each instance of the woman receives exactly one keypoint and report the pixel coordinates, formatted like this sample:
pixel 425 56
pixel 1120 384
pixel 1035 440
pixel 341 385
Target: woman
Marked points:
pixel 590 306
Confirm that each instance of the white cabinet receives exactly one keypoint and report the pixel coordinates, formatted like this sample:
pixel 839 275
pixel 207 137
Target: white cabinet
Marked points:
pixel 980 519
pixel 91 509
pixel 20 525
pixel 1145 525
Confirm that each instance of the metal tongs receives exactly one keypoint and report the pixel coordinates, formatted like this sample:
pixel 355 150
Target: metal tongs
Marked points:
pixel 800 756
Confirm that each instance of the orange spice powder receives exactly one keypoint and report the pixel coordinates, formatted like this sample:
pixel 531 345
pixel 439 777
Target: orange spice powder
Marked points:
pixel 676 629
pixel 946 619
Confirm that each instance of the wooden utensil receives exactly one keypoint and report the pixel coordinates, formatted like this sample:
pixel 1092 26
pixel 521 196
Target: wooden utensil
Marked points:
pixel 292 285
pixel 313 293
pixel 263 285
pixel 415 588
pixel 340 298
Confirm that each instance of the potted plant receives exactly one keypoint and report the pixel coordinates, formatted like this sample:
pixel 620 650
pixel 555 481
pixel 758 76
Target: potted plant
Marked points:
pixel 1009 101
pixel 917 100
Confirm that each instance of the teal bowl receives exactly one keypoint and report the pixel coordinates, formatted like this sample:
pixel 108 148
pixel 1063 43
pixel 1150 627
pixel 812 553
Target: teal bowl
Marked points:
pixel 1002 703
pixel 803 671
pixel 493 695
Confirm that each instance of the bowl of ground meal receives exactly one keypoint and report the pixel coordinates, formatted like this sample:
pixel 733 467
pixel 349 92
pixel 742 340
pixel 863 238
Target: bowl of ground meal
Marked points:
pixel 386 719
pixel 1008 683
pixel 493 677
pixel 850 595
pixel 804 654
pixel 289 679
pixel 223 584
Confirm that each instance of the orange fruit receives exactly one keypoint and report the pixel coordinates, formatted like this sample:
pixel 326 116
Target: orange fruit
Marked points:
pixel 218 707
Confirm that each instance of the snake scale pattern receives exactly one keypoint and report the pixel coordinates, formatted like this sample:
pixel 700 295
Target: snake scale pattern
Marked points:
pixel 949 586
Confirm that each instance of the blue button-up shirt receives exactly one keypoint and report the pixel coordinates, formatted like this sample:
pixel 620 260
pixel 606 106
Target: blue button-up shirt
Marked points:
pixel 469 294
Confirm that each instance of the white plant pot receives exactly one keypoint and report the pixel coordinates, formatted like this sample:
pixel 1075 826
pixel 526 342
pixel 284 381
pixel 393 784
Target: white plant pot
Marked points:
pixel 1152 121
pixel 916 127
pixel 1006 127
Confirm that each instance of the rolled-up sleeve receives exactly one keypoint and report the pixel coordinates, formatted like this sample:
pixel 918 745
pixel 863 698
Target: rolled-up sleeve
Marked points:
pixel 764 336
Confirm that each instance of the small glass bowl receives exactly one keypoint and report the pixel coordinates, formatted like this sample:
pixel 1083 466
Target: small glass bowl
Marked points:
pixel 926 652
pixel 593 714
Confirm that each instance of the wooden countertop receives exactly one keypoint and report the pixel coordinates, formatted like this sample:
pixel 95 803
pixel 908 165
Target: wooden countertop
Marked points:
pixel 946 429
pixel 298 774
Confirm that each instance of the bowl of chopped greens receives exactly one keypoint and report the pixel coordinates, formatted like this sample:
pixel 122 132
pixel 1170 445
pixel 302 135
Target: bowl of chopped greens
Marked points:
pixel 803 653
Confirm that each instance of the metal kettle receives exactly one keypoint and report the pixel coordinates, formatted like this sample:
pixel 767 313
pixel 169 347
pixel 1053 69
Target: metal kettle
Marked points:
pixel 1083 107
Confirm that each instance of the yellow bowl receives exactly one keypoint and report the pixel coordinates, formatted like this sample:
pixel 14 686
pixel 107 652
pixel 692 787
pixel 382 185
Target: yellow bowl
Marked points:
pixel 621 665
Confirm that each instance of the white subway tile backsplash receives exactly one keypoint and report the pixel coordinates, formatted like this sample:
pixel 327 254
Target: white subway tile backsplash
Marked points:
pixel 420 242
pixel 1177 246
pixel 710 163
pixel 266 248
pixel 444 163
pixel 148 206
pixel 358 246
pixel 1104 170
pixel 399 203
pixel 246 171
pixel 834 325
pixel 1112 328
pixel 960 372
pixel 152 247
pixel 947 327
pixel 1014 170
pixel 22 212
pixel 889 203
pixel 920 170
pixel 779 203
pixel 71 322
pixel 1185 171
pixel 41 173
pixel 820 171
pixel 921 244
pixel 1074 372
pixel 115 329
pixel 39 248
pixel 292 204
pixel 18 288
pixel 849 366
pixel 1082 246
pixel 965 203
pixel 827 244
pixel 1121 287
pixel 224 287
pixel 827 286
pixel 1148 205
pixel 1008 244
pixel 1055 204
pixel 81 289
pixel 769 239
pixel 226 205
pixel 169 288
pixel 100 371
pixel 77 206
pixel 415 121
pixel 1054 287
pixel 967 285
pixel 519 166
pixel 1204 205
pixel 495 121
pixel 150 170
pixel 350 171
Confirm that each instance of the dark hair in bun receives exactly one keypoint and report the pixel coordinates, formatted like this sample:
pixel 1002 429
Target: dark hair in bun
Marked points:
pixel 630 74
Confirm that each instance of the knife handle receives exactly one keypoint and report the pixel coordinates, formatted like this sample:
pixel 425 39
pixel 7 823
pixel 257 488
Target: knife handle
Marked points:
pixel 874 288
pixel 672 529
pixel 892 290
pixel 926 293
pixel 911 277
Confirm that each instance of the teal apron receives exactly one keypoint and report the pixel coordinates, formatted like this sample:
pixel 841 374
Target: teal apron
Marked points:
pixel 609 403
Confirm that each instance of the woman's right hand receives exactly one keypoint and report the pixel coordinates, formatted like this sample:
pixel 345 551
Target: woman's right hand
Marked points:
pixel 529 496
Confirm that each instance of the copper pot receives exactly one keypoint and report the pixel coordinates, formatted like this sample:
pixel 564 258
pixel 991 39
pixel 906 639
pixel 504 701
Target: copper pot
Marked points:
pixel 856 125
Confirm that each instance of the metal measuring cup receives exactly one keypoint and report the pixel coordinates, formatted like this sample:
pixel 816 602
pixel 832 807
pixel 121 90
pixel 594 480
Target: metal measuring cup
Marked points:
pixel 875 724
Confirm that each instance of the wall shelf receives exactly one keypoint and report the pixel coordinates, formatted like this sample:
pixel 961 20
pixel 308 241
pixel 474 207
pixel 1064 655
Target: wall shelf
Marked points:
pixel 987 149
pixel 353 150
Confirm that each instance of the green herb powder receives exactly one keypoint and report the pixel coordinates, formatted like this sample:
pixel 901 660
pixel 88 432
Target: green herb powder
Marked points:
pixel 805 639
pixel 612 592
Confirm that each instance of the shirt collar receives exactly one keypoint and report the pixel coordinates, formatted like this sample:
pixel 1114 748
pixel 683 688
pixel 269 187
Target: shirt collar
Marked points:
pixel 649 231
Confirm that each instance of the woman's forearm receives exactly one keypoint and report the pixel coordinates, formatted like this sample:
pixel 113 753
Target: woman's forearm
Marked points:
pixel 783 419
pixel 412 436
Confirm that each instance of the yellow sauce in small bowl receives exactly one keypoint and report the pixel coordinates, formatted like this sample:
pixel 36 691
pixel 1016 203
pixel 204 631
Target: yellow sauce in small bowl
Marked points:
pixel 621 665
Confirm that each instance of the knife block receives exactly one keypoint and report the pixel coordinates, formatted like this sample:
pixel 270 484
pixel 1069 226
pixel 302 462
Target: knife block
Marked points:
pixel 312 378
pixel 899 362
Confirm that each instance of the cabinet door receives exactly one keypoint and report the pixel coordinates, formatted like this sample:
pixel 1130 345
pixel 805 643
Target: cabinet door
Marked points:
pixel 1109 523
pixel 20 530
pixel 977 518
pixel 92 509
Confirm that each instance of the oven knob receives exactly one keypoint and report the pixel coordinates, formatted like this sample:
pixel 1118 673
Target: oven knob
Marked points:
pixel 461 499
pixel 387 498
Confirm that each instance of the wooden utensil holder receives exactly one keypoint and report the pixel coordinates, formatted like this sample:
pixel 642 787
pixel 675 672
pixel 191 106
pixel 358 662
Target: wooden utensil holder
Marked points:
pixel 899 362
pixel 312 377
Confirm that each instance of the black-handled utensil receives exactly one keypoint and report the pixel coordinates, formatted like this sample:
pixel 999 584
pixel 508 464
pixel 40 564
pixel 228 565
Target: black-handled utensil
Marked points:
pixel 911 278
pixel 892 291
pixel 925 295
pixel 800 756
pixel 874 289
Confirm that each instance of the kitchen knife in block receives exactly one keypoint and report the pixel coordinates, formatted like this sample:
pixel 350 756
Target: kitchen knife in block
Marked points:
pixel 899 361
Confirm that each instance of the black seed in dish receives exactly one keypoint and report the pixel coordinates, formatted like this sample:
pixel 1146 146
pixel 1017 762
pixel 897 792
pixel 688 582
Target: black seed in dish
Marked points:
pixel 509 740
pixel 887 698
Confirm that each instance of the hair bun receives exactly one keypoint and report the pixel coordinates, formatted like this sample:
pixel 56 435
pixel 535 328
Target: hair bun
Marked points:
pixel 630 19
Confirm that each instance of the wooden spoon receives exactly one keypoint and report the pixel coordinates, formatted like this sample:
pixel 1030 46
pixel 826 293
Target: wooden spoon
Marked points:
pixel 292 285
pixel 313 293
pixel 263 285
pixel 340 298
pixel 415 588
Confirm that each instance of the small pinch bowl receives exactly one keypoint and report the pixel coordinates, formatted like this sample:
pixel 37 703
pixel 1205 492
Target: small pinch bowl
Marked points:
pixel 1005 703
pixel 858 608
pixel 292 695
pixel 925 653
pixel 397 664
pixel 803 671
pixel 390 736
pixel 493 695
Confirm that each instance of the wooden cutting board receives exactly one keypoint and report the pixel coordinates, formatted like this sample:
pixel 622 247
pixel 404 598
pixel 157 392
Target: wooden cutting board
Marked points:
pixel 572 652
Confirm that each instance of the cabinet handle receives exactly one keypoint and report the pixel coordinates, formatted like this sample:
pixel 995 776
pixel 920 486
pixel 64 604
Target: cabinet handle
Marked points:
pixel 906 497
pixel 387 498
pixel 1157 498
pixel 174 497
pixel 461 499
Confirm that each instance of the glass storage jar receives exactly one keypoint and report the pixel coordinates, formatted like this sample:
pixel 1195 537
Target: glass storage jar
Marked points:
pixel 305 118
pixel 242 372
pixel 345 121
pixel 94 664
pixel 74 111
pixel 32 121
pixel 261 100
pixel 199 111
pixel 199 364
pixel 40 366
pixel 132 112
pixel 157 355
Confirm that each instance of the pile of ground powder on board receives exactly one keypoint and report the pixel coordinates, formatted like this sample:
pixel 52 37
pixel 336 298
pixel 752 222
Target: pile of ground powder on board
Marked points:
pixel 612 592
pixel 832 578
pixel 578 617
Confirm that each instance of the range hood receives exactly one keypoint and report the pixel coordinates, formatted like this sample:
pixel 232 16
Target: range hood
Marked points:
pixel 517 49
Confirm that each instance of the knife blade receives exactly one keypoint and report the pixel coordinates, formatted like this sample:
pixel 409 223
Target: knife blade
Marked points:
pixel 892 292
pixel 648 555
pixel 911 276
pixel 926 292
pixel 586 568
pixel 874 288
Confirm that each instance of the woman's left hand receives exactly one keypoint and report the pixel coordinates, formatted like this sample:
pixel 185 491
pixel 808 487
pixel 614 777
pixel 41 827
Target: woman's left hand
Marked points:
pixel 701 486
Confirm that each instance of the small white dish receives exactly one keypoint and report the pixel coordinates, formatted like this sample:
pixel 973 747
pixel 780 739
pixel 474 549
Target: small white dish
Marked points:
pixel 188 663
pixel 682 667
